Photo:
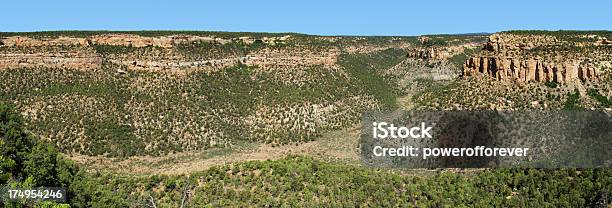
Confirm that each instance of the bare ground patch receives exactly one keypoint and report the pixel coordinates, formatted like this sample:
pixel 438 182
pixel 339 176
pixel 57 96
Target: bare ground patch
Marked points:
pixel 339 145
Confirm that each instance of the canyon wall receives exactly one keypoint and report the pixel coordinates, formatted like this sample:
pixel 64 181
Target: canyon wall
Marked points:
pixel 540 58
pixel 509 68
pixel 439 52
pixel 131 40
pixel 75 61
pixel 172 53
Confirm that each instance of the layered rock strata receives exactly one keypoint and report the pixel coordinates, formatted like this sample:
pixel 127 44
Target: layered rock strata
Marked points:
pixel 509 68
pixel 541 58
pixel 131 40
pixel 74 61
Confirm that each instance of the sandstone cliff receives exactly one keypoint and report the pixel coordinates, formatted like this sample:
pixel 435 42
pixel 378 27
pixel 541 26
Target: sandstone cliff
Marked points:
pixel 439 52
pixel 172 53
pixel 73 61
pixel 541 58
pixel 509 68
pixel 132 40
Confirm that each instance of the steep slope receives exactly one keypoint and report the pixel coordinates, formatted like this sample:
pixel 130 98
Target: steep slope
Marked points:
pixel 531 70
pixel 120 95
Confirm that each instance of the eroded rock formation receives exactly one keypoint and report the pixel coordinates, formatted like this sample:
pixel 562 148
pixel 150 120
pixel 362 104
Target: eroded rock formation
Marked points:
pixel 74 61
pixel 509 68
pixel 439 52
pixel 132 40
pixel 165 55
pixel 540 58
pixel 34 42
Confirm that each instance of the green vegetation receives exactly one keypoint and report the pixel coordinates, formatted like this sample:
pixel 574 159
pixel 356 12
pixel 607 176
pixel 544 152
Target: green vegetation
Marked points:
pixel 114 49
pixel 573 101
pixel 435 42
pixel 205 50
pixel 603 100
pixel 105 112
pixel 566 43
pixel 102 112
pixel 26 162
pixel 292 181
pixel 459 59
pixel 551 84
pixel 486 93
pixel 306 182
pixel 432 93
pixel 150 33
pixel 367 70
pixel 569 35
pixel 447 40
pixel 568 50
pixel 109 135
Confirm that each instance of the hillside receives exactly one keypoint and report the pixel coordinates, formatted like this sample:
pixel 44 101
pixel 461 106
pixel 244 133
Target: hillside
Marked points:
pixel 126 94
pixel 531 70
pixel 266 119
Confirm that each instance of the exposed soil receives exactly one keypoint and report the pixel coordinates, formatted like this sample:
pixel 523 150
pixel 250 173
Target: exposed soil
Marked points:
pixel 339 145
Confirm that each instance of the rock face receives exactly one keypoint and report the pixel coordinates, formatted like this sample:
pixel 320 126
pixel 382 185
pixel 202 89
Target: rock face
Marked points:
pixel 291 58
pixel 80 53
pixel 438 53
pixel 32 42
pixel 540 58
pixel 55 60
pixel 509 68
pixel 427 53
pixel 507 42
pixel 132 40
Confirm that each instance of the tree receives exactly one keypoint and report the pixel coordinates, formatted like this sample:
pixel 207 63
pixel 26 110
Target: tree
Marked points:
pixel 25 162
pixel 14 147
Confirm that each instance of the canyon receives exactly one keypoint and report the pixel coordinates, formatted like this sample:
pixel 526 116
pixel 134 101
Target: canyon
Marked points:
pixel 126 94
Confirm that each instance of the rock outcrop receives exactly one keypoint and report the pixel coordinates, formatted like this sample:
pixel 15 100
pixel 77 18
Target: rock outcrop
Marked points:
pixel 509 68
pixel 20 41
pixel 132 40
pixel 427 53
pixel 292 58
pixel 439 52
pixel 74 61
pixel 540 58
pixel 80 53
pixel 506 42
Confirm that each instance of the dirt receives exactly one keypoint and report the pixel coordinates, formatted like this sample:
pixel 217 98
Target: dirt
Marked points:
pixel 339 145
